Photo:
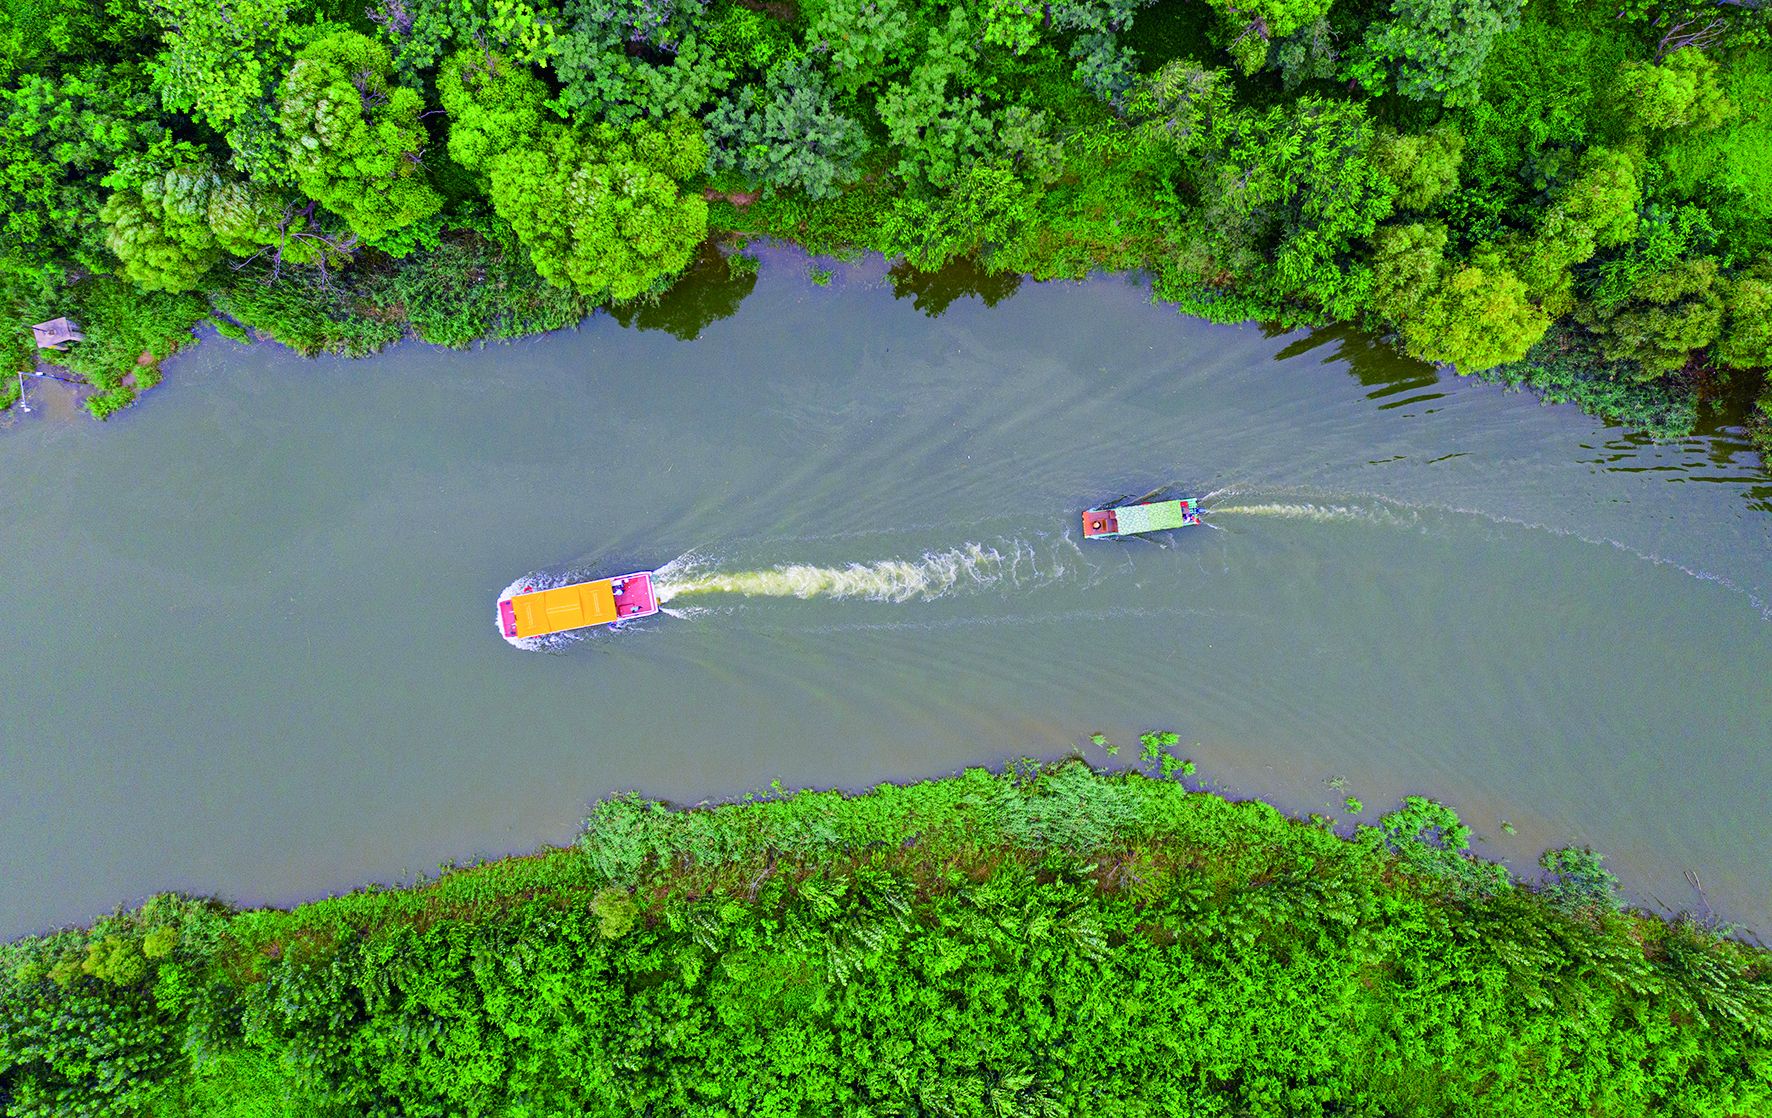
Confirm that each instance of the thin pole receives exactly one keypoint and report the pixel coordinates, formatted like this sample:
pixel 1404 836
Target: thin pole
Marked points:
pixel 22 406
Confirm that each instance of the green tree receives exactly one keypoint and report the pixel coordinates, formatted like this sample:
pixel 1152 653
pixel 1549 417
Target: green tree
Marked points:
pixel 65 142
pixel 169 232
pixel 789 135
pixel 1474 316
pixel 1407 261
pixel 1432 50
pixel 494 104
pixel 1423 166
pixel 1270 19
pixel 984 205
pixel 936 117
pixel 1477 318
pixel 1286 195
pixel 221 62
pixel 161 233
pixel 1307 55
pixel 1595 209
pixel 601 213
pixel 1683 91
pixel 1181 106
pixel 355 141
pixel 1667 316
pixel 867 40
pixel 1746 340
pixel 1102 63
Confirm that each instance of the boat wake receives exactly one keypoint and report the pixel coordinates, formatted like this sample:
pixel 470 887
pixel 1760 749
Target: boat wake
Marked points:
pixel 1321 513
pixel 1393 512
pixel 936 574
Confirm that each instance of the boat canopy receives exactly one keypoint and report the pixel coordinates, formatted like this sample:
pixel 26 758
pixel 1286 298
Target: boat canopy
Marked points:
pixel 564 607
pixel 1150 518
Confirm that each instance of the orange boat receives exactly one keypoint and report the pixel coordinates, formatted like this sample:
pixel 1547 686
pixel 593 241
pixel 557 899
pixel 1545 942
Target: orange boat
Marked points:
pixel 559 609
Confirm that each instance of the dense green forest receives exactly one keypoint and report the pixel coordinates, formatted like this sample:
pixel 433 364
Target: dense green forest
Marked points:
pixel 1040 942
pixel 1572 195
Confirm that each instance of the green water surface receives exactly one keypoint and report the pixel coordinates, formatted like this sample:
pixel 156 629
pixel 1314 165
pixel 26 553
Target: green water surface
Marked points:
pixel 248 626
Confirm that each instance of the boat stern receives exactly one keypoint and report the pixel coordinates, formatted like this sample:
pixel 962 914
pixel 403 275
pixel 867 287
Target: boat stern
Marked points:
pixel 634 596
pixel 1100 524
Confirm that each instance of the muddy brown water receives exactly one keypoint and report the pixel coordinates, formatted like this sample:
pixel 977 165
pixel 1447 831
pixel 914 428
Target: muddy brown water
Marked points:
pixel 248 625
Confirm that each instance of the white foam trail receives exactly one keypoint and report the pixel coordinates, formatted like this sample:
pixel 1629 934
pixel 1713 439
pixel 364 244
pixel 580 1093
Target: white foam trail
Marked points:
pixel 1400 512
pixel 936 574
pixel 1320 513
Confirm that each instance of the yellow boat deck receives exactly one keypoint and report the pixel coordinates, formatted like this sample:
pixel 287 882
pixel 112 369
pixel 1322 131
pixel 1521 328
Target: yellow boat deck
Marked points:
pixel 564 607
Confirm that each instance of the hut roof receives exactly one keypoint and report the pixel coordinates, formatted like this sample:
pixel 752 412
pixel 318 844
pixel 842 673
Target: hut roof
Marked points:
pixel 51 334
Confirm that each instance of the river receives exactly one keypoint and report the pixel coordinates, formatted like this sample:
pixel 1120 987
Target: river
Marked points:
pixel 250 649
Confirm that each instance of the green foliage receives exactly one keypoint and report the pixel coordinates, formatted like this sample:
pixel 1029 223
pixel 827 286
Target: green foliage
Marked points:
pixel 1746 340
pixel 1102 63
pixel 1541 162
pixel 168 233
pixel 1422 167
pixel 1432 50
pixel 1595 208
pixel 1577 882
pixel 161 238
pixel 1271 19
pixel 866 40
pixel 521 31
pixel 747 39
pixel 1306 56
pixel 127 332
pixel 984 207
pixel 787 136
pixel 1043 941
pixel 1567 368
pixel 616 913
pixel 1474 316
pixel 307 310
pixel 472 286
pixel 603 214
pixel 81 1031
pixel 1285 196
pixel 1729 169
pixel 355 141
pixel 220 63
pixel 1429 840
pixel 1154 743
pixel 1664 317
pixel 1682 91
pixel 62 141
pixel 670 72
pixel 935 116
pixel 493 105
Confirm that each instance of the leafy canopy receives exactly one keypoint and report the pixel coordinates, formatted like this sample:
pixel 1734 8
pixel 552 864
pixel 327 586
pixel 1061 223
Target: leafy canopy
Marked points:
pixel 355 141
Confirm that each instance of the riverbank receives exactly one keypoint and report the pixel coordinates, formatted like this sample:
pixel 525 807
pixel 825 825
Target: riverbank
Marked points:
pixel 1601 230
pixel 1046 940
pixel 483 293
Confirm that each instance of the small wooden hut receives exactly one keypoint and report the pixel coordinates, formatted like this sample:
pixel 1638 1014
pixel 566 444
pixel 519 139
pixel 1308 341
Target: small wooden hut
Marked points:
pixel 57 331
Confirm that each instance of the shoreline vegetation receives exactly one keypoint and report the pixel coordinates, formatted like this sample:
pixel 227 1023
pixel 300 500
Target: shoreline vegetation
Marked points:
pixel 1047 940
pixel 1561 195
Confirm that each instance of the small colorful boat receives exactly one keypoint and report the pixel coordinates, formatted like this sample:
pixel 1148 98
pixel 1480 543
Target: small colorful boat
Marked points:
pixel 1139 518
pixel 607 601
